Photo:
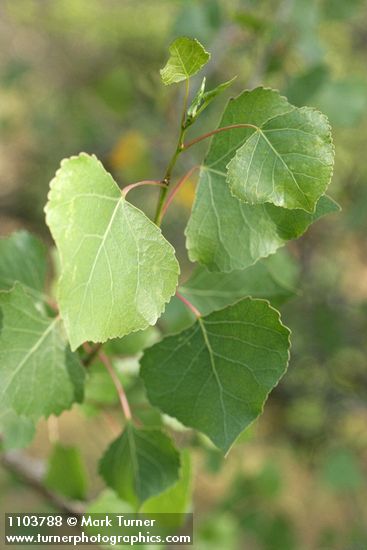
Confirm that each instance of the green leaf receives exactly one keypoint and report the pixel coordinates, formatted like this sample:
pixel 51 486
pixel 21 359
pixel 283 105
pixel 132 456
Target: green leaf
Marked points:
pixel 139 464
pixel 23 259
pixel 132 343
pixel 66 473
pixel 118 271
pixel 39 374
pixel 224 233
pixel 176 499
pixel 287 159
pixel 187 57
pixel 273 278
pixel 216 375
pixel 16 431
pixel 203 99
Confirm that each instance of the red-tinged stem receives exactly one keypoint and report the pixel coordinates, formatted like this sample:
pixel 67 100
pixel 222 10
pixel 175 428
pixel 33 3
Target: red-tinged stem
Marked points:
pixel 111 371
pixel 188 304
pixel 179 148
pixel 217 131
pixel 128 188
pixel 175 190
pixel 120 390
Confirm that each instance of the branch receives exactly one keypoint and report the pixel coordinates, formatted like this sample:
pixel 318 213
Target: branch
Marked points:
pixel 179 148
pixel 32 471
pixel 175 190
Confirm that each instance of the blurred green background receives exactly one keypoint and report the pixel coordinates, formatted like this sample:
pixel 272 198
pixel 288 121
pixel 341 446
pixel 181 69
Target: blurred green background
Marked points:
pixel 83 75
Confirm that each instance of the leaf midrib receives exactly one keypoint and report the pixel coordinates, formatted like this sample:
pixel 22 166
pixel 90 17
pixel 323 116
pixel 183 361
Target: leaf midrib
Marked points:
pixel 216 375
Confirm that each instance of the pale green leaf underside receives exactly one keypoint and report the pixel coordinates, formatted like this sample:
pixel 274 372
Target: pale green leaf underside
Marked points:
pixel 139 464
pixel 288 160
pixel 117 270
pixel 187 57
pixel 224 233
pixel 216 375
pixel 39 374
pixel 23 259
pixel 273 278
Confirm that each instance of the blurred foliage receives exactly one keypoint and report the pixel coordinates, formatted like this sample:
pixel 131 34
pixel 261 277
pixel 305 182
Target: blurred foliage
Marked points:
pixel 78 75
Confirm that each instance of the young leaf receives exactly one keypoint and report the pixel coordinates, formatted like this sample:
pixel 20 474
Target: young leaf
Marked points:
pixel 118 271
pixel 203 99
pixel 39 374
pixel 22 259
pixel 288 160
pixel 273 278
pixel 216 375
pixel 139 464
pixel 66 473
pixel 187 57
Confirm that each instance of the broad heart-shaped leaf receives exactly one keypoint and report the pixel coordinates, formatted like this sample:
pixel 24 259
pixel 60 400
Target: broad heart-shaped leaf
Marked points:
pixel 224 233
pixel 287 158
pixel 216 375
pixel 139 464
pixel 39 374
pixel 117 270
pixel 187 57
pixel 273 278
pixel 23 259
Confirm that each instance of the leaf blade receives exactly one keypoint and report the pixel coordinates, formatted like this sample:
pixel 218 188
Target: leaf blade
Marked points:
pixel 187 57
pixel 224 233
pixel 139 464
pixel 40 376
pixel 288 161
pixel 23 259
pixel 214 386
pixel 118 271
pixel 273 279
